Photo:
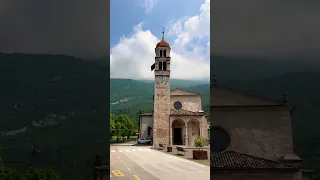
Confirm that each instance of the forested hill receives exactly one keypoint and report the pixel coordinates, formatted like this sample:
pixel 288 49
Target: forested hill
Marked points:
pixel 131 96
pixel 58 103
pixel 255 68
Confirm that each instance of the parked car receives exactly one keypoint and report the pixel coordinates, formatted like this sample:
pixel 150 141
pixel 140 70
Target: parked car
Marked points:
pixel 143 141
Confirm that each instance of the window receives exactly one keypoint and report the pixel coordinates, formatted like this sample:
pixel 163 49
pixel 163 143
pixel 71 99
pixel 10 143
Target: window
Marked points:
pixel 160 53
pixel 164 66
pixel 164 53
pixel 160 66
pixel 220 139
pixel 177 105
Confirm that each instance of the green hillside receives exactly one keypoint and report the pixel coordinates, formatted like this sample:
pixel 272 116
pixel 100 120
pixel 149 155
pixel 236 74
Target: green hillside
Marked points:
pixel 59 103
pixel 255 68
pixel 130 96
pixel 180 83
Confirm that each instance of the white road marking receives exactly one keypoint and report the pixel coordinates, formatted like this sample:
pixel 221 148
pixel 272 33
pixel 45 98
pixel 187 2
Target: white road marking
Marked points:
pixel 131 150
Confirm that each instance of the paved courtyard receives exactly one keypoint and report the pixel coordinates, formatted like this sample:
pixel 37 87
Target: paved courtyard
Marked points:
pixel 189 155
pixel 143 163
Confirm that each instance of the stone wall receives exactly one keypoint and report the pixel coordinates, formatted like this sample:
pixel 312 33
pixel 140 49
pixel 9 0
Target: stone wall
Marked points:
pixel 161 106
pixel 263 132
pixel 189 103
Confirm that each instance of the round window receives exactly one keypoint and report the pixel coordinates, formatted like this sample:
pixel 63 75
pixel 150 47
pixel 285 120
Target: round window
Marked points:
pixel 220 139
pixel 177 105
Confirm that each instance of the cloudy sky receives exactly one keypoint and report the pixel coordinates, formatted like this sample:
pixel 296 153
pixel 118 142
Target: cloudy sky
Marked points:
pixel 81 28
pixel 272 28
pixel 134 35
pixel 72 27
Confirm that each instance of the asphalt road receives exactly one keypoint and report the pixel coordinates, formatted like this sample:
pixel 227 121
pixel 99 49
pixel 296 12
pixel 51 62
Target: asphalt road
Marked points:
pixel 143 163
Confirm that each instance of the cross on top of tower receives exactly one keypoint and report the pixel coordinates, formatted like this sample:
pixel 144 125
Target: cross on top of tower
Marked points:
pixel 163 43
pixel 163 33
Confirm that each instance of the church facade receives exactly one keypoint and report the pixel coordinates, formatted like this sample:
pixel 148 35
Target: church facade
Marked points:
pixel 177 117
pixel 252 137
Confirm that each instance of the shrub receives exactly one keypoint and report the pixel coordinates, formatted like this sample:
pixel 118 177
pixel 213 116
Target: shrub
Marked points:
pixel 200 142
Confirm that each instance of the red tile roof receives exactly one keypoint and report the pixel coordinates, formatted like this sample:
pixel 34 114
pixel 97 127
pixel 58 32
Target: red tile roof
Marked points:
pixel 182 112
pixel 230 160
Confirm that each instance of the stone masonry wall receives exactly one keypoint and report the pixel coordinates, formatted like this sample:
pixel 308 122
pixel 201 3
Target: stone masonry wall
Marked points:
pixel 189 103
pixel 265 133
pixel 161 110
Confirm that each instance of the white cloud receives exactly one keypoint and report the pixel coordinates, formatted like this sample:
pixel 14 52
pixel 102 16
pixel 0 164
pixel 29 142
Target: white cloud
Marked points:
pixel 149 4
pixel 187 29
pixel 134 54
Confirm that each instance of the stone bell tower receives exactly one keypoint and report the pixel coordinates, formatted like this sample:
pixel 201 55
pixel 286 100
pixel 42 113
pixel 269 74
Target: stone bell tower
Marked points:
pixel 161 108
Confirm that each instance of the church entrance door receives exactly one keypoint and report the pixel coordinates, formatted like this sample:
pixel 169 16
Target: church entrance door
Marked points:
pixel 177 136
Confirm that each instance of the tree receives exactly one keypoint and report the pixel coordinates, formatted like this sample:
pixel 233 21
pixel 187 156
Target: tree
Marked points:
pixel 120 125
pixel 8 173
pixel 1 150
pixel 112 125
pixel 41 174
pixel 32 174
pixel 126 125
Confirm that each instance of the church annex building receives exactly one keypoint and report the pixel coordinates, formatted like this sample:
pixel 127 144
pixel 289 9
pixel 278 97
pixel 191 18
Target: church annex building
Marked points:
pixel 177 117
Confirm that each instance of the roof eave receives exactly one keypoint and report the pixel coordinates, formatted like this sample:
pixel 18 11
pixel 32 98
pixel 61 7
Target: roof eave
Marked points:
pixel 255 169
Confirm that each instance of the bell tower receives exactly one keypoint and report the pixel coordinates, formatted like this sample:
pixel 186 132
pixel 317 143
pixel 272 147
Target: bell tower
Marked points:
pixel 161 107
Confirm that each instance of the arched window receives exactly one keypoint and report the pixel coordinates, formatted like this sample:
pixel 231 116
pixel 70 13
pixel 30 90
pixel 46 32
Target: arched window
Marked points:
pixel 164 66
pixel 160 53
pixel 164 53
pixel 160 66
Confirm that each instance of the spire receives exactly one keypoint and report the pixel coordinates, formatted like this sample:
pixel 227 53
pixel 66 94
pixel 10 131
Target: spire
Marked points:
pixel 163 34
pixel 163 43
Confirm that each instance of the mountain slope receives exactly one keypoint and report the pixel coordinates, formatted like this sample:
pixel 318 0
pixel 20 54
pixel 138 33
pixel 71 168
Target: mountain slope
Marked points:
pixel 53 101
pixel 130 96
pixel 255 68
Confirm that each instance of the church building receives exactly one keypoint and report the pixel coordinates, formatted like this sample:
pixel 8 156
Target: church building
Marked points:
pixel 177 117
pixel 252 137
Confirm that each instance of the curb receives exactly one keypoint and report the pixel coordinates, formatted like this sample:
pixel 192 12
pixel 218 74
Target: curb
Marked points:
pixel 121 144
